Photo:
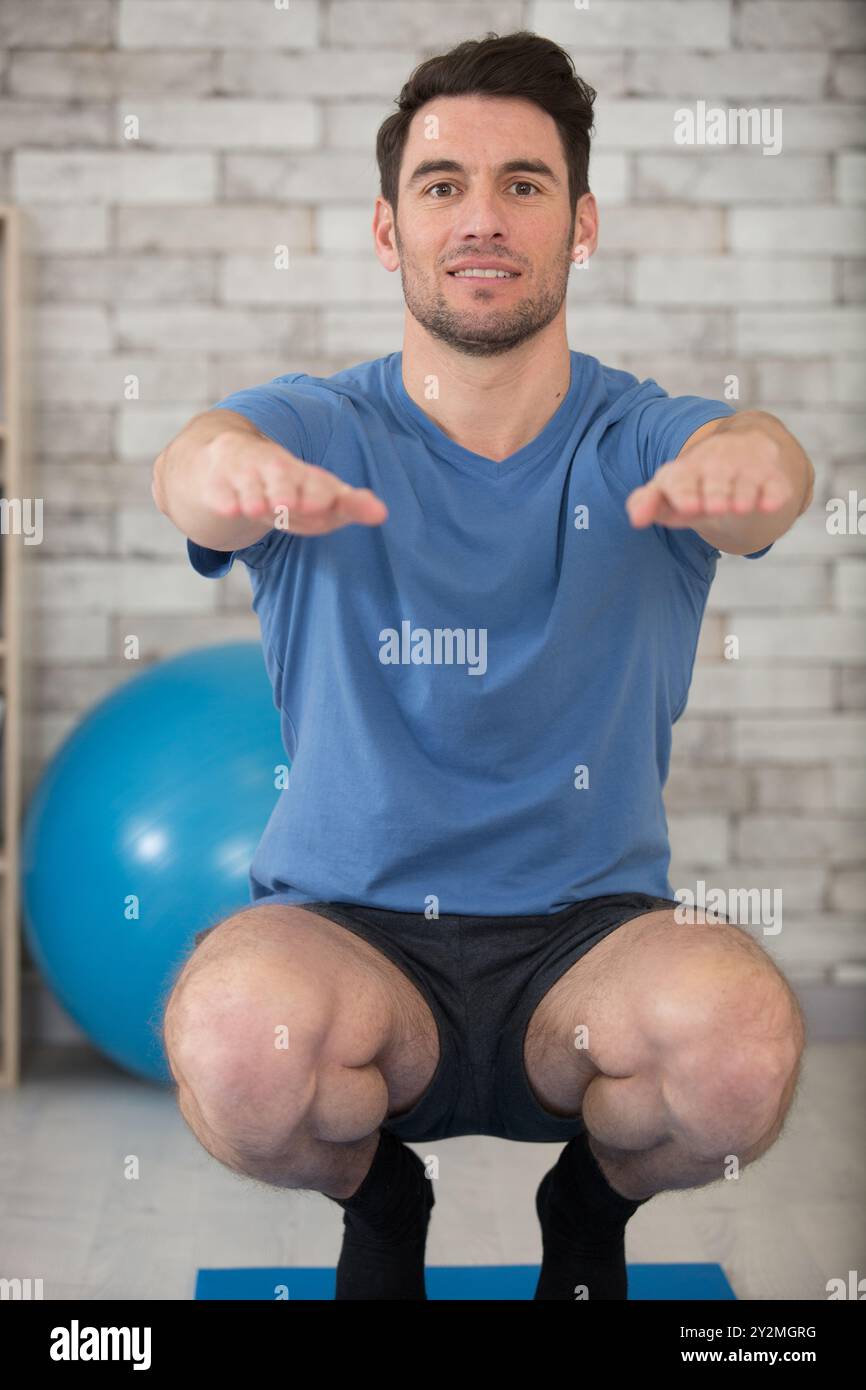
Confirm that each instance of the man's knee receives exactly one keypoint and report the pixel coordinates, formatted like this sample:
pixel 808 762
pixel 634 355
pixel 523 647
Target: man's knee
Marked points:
pixel 730 1060
pixel 255 1035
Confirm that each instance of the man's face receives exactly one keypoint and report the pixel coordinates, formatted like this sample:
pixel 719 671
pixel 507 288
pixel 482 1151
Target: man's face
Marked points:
pixel 518 217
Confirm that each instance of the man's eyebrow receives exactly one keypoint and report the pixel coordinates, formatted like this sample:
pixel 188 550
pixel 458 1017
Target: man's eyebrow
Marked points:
pixel 511 166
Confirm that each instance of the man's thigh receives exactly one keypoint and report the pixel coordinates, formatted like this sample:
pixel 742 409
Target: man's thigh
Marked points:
pixel 375 1012
pixel 616 995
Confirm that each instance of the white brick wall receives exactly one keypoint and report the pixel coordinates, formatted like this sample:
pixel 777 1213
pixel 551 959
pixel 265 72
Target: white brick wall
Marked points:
pixel 154 257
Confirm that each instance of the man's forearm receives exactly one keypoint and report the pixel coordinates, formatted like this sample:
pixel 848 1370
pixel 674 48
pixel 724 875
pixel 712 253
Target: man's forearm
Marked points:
pixel 752 531
pixel 177 484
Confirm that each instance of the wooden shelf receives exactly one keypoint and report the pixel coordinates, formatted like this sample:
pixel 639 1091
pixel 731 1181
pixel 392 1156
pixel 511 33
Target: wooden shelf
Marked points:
pixel 13 279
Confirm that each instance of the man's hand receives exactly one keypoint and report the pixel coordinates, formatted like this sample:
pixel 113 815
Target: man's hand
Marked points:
pixel 726 483
pixel 248 476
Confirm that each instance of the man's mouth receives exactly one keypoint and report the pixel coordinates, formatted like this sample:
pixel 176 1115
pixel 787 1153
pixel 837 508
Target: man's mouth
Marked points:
pixel 484 274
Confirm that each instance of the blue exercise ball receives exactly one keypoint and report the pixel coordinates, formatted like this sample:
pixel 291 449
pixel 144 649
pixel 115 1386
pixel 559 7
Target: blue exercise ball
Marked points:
pixel 140 833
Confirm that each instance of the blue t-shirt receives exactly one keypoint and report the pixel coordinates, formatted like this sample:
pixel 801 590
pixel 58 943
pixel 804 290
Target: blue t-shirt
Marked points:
pixel 477 696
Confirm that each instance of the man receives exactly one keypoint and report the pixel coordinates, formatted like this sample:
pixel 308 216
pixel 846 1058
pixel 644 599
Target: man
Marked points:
pixel 480 567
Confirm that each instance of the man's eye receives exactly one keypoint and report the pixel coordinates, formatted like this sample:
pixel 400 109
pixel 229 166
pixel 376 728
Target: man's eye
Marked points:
pixel 439 185
pixel 521 183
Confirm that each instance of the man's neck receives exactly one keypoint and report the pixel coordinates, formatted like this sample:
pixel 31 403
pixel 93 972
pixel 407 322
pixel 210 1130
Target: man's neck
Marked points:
pixel 492 406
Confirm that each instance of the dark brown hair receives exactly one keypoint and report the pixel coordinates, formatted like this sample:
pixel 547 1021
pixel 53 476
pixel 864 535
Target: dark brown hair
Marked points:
pixel 517 65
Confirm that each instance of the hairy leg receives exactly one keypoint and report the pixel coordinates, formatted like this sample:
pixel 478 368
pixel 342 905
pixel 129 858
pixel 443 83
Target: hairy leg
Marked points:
pixel 680 1045
pixel 291 1039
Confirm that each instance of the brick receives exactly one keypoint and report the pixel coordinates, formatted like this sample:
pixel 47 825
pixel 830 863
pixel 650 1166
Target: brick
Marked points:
pixel 853 288
pixel 352 125
pixel 142 431
pixel 87 76
pixel 365 335
pixel 701 740
pixel 850 585
pixel 707 788
pixel 738 585
pixel 682 231
pixel 67 636
pixel 728 687
pixel 801 838
pixel 126 176
pixel 114 279
pixel 303 176
pixel 727 175
pixel 24 122
pixel 665 24
pixel 64 431
pixel 799 333
pixel 808 637
pixel 319 73
pixel 847 891
pixel 691 376
pixel 227 374
pixel 309 280
pixel 641 124
pixel 695 280
pixel 223 124
pixel 220 227
pixel 74 532
pixel 808 382
pixel 810 943
pixel 838 737
pixel 101 380
pixel 824 434
pixel 144 531
pixel 86 585
pixel 98 486
pixel 55 24
pixel 777 24
pixel 852 688
pixel 848 76
pixel 57 328
pixel 737 74
pixel 805 887
pixel 822 126
pixel 216 24
pixel 848 782
pixel 807 788
pixel 214 330
pixel 701 838
pixel 851 180
pixel 809 538
pixel 600 331
pixel 65 227
pixel 382 24
pixel 848 381
pixel 831 231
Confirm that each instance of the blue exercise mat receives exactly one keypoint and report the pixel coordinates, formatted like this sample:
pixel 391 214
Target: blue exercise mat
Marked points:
pixel 486 1282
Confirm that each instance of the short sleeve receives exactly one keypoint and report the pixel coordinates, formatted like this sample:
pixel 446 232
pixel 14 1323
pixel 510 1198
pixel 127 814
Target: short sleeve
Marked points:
pixel 664 425
pixel 291 411
pixel 214 564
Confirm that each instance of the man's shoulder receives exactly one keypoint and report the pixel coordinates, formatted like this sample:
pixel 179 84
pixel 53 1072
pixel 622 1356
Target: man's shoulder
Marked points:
pixel 362 378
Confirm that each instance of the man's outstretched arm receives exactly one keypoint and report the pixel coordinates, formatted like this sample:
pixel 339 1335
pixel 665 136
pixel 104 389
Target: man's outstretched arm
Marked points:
pixel 740 482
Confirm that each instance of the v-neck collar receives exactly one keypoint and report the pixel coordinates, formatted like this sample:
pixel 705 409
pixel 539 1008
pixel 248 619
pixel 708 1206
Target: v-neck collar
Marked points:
pixel 438 442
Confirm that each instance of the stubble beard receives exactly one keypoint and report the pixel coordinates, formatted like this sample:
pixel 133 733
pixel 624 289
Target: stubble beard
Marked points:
pixel 478 330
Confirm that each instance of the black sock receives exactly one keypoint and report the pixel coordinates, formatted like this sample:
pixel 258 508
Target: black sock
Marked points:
pixel 385 1226
pixel 583 1222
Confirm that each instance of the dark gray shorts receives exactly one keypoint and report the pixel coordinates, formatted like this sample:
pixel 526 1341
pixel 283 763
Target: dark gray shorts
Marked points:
pixel 483 977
